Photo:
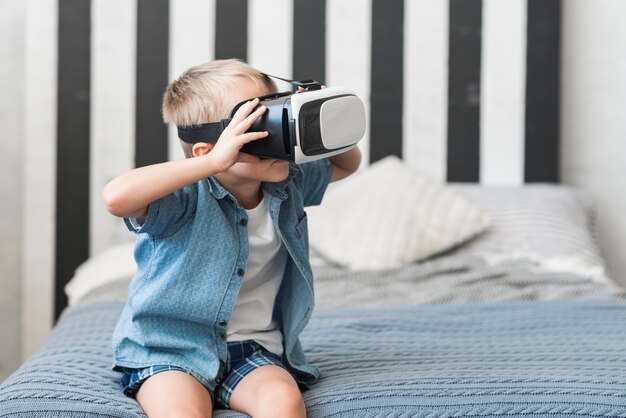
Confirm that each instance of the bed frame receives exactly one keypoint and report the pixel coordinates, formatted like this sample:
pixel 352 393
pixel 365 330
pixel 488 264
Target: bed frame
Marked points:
pixel 388 57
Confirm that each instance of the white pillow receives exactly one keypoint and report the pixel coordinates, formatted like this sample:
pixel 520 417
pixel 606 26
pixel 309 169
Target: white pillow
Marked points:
pixel 114 263
pixel 389 215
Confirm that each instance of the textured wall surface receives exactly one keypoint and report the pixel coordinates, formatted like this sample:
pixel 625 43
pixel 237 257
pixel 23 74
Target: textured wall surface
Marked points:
pixel 593 148
pixel 11 80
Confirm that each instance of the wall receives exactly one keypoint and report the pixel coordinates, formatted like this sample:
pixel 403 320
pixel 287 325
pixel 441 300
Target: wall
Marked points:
pixel 11 102
pixel 593 104
pixel 27 168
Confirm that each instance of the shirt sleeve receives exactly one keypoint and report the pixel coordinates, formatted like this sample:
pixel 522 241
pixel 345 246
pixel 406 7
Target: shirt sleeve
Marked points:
pixel 315 178
pixel 166 215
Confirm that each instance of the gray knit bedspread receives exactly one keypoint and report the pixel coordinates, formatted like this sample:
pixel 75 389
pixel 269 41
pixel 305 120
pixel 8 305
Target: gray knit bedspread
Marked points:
pixel 539 357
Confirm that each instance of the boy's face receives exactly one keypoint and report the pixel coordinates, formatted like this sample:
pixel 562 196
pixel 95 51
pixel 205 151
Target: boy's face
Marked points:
pixel 268 170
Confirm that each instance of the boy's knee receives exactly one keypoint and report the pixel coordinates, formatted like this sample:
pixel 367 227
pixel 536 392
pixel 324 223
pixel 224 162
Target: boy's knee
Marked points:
pixel 281 397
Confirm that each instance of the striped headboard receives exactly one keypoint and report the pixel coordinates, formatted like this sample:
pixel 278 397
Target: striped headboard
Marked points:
pixel 464 90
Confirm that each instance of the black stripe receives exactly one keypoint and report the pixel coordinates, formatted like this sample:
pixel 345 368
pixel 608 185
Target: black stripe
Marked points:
pixel 464 90
pixel 309 40
pixel 231 29
pixel 386 79
pixel 152 76
pixel 72 194
pixel 542 91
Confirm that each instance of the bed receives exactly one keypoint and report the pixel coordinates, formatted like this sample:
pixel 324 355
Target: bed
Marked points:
pixel 519 320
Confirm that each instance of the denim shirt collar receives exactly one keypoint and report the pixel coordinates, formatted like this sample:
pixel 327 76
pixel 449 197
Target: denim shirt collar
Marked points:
pixel 275 189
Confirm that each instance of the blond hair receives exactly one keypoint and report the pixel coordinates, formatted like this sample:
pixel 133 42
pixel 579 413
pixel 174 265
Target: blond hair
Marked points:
pixel 199 95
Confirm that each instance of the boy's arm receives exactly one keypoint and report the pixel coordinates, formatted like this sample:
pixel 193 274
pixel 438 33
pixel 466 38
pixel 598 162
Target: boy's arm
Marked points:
pixel 130 194
pixel 345 164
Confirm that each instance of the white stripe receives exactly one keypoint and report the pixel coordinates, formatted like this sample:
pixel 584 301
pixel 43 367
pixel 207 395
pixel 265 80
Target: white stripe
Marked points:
pixel 192 42
pixel 12 16
pixel 270 38
pixel 40 101
pixel 503 74
pixel 426 25
pixel 113 57
pixel 348 52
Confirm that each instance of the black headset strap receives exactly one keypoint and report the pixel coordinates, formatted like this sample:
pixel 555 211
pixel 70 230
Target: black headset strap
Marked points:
pixel 208 132
pixel 307 85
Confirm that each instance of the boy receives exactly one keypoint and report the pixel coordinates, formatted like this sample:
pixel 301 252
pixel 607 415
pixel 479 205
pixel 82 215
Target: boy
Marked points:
pixel 223 286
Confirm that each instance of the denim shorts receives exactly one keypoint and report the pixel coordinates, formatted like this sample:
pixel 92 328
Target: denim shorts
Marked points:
pixel 243 357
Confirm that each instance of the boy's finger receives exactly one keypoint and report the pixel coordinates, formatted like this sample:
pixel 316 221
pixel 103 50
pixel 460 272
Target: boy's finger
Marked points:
pixel 245 124
pixel 244 110
pixel 239 115
pixel 252 136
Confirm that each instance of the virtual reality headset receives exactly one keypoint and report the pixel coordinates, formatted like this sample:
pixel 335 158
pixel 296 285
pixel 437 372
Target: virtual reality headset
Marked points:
pixel 310 125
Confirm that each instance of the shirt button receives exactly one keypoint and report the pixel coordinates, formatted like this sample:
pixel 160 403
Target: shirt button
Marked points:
pixel 243 222
pixel 240 272
pixel 222 323
pixel 222 336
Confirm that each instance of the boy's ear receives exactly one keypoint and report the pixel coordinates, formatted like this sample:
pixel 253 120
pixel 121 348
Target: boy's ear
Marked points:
pixel 201 148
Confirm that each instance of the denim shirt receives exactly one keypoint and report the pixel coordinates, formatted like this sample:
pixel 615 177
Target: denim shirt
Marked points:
pixel 191 255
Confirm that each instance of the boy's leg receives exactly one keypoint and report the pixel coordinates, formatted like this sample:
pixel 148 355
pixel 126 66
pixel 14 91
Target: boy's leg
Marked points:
pixel 268 391
pixel 174 394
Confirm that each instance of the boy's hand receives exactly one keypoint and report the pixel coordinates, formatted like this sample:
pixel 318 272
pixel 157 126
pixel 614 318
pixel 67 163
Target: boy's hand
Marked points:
pixel 226 151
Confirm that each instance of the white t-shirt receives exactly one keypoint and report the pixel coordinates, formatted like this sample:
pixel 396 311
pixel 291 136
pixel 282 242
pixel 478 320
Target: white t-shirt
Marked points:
pixel 252 315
